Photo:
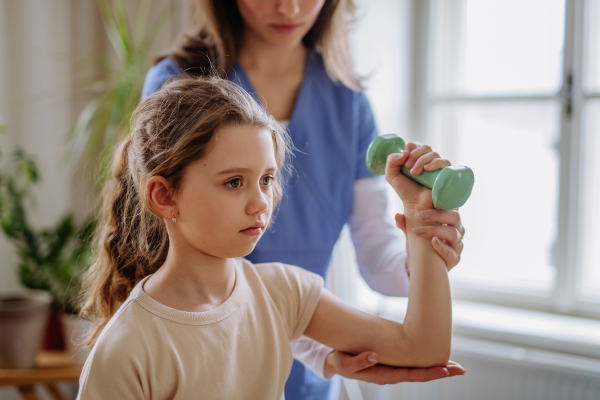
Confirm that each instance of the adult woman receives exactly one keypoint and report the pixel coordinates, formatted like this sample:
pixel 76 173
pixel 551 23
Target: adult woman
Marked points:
pixel 293 56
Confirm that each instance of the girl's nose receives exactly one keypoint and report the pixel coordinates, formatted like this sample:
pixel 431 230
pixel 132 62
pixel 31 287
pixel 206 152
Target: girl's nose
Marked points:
pixel 289 8
pixel 258 202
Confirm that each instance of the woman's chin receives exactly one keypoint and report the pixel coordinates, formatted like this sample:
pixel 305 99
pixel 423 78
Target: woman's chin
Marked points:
pixel 283 40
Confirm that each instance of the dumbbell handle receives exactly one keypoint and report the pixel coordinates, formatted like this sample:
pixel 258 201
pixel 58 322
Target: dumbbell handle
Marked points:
pixel 451 186
pixel 425 178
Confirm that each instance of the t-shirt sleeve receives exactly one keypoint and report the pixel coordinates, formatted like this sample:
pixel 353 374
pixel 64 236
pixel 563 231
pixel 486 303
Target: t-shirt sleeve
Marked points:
pixel 158 74
pixel 296 292
pixel 114 369
pixel 367 131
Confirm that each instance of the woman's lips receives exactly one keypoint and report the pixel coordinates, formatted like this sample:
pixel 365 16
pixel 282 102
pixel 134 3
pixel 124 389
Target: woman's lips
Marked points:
pixel 285 28
pixel 252 231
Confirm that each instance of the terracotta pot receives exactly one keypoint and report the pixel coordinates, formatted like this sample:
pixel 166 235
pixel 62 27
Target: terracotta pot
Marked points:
pixel 76 330
pixel 54 337
pixel 23 318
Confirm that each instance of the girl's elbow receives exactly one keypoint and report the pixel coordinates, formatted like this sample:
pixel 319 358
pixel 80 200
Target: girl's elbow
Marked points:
pixel 435 357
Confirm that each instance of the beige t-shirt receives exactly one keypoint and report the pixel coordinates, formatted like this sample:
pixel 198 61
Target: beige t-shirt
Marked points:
pixel 239 350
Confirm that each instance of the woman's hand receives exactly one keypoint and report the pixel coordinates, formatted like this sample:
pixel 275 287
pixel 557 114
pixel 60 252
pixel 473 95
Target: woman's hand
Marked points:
pixel 446 225
pixel 448 229
pixel 364 367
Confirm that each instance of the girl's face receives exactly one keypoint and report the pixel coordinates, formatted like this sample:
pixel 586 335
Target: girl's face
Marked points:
pixel 226 199
pixel 280 22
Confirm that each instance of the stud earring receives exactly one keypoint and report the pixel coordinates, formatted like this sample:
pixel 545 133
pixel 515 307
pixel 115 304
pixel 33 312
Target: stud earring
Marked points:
pixel 174 219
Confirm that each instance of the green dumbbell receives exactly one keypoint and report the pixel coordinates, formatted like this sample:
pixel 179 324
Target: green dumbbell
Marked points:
pixel 450 186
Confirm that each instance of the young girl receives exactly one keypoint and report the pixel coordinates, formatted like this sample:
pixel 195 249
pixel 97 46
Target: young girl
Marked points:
pixel 293 55
pixel 177 313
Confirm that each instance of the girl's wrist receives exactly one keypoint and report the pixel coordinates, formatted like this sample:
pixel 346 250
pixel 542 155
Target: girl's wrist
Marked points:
pixel 410 215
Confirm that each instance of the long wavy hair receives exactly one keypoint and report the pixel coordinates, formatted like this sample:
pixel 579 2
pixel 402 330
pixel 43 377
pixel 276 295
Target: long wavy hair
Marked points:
pixel 218 36
pixel 170 129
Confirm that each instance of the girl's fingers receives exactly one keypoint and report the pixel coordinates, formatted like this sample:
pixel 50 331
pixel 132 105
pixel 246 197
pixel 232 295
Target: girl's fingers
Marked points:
pixel 415 152
pixel 394 161
pixel 436 164
pixel 443 217
pixel 446 233
pixel 424 160
pixel 392 167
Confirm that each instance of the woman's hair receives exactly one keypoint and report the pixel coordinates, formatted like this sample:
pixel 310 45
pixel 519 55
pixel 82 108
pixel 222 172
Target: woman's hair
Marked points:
pixel 170 129
pixel 217 39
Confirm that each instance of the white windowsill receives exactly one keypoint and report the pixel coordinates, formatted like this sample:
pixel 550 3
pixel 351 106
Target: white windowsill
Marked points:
pixel 532 329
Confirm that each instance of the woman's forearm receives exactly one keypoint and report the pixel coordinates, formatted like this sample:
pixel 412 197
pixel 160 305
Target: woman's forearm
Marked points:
pixel 428 323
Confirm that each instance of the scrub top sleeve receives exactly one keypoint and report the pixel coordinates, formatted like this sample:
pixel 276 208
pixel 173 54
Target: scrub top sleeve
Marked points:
pixel 158 74
pixel 367 131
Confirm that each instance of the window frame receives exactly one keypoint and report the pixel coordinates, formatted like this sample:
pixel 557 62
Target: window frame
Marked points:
pixel 563 297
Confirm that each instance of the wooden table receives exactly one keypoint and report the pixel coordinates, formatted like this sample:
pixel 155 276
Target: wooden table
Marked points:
pixel 53 367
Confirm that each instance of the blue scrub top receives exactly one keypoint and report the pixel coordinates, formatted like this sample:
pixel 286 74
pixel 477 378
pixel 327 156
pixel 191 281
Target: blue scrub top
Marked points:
pixel 331 128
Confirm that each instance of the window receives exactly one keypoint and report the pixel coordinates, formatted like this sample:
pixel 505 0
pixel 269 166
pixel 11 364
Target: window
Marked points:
pixel 512 90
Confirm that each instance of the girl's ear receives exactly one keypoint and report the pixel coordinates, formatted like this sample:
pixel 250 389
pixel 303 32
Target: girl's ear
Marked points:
pixel 160 197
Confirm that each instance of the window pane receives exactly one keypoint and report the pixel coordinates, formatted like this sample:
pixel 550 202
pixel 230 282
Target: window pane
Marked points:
pixel 508 46
pixel 590 211
pixel 592 46
pixel 510 219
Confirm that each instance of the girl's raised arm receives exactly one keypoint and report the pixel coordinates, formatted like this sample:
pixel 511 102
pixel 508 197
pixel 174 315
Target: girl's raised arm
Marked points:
pixel 424 339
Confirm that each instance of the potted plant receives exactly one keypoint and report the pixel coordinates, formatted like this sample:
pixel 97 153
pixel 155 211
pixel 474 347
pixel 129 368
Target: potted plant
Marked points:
pixel 51 259
pixel 102 124
pixel 104 120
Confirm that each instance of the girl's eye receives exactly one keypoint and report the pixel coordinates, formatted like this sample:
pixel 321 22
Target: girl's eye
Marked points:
pixel 234 183
pixel 267 180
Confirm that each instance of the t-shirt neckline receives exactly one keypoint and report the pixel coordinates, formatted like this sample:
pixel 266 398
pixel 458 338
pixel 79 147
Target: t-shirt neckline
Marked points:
pixel 217 314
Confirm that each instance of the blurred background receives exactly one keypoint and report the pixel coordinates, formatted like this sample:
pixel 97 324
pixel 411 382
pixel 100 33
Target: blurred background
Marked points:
pixel 510 88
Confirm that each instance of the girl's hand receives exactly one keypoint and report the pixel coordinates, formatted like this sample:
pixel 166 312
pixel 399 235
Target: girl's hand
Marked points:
pixel 446 225
pixel 418 158
pixel 448 228
pixel 362 367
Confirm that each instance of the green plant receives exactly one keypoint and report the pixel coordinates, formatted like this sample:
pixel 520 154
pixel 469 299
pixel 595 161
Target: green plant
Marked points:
pixel 50 259
pixel 105 119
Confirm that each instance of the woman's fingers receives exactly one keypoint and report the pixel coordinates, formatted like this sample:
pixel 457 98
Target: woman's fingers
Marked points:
pixel 443 217
pixel 450 254
pixel 401 222
pixel 349 364
pixel 455 368
pixel 448 233
pixel 365 367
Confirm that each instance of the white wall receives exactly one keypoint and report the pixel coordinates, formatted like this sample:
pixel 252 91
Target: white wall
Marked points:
pixel 381 47
pixel 48 50
pixel 38 51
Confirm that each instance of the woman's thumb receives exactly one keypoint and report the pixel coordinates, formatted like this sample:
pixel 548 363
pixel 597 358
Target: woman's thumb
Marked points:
pixel 401 222
pixel 364 360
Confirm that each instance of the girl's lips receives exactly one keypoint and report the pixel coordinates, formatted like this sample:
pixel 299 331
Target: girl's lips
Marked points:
pixel 252 231
pixel 285 28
